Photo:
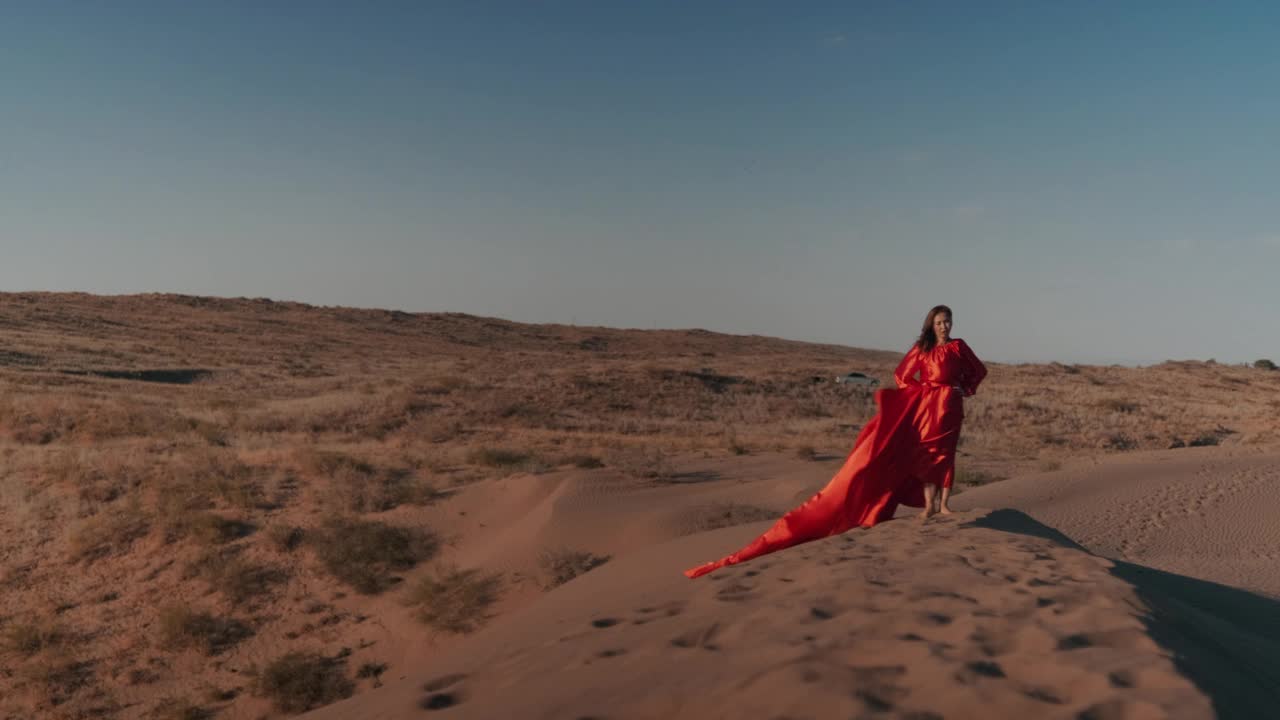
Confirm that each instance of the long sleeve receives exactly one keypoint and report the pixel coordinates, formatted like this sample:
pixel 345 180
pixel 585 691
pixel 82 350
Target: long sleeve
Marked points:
pixel 905 374
pixel 974 372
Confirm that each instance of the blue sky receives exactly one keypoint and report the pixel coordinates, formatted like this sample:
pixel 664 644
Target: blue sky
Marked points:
pixel 1082 182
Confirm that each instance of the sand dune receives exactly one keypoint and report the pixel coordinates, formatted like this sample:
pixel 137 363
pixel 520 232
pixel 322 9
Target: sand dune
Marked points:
pixel 1204 512
pixel 990 613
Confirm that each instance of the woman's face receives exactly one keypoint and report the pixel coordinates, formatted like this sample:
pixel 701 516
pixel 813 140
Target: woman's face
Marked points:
pixel 942 328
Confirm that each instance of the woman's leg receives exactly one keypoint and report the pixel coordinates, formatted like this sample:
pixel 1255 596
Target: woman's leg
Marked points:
pixel 928 511
pixel 946 493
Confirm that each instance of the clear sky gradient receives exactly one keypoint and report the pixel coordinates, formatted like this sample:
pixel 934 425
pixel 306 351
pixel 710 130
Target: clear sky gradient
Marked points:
pixel 1082 182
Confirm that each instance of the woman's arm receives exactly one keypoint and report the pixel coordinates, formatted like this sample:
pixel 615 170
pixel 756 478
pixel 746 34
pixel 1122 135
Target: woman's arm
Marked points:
pixel 906 373
pixel 975 371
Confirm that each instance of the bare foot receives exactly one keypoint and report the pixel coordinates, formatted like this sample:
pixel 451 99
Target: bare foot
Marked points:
pixel 925 514
pixel 946 510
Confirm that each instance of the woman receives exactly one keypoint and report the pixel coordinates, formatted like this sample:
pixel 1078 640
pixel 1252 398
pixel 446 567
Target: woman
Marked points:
pixel 904 455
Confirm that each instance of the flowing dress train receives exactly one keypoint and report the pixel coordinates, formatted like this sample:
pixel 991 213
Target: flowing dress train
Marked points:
pixel 909 442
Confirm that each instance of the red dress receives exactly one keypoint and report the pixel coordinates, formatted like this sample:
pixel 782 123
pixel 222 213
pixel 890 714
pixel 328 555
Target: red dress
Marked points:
pixel 909 442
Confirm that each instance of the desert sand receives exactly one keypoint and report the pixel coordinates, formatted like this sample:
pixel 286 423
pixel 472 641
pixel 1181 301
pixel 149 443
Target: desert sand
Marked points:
pixel 992 612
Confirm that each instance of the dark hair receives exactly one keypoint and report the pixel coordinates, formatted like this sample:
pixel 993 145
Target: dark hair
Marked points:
pixel 927 339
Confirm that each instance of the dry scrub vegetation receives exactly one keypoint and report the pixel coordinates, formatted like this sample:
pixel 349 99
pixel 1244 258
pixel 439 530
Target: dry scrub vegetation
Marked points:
pixel 208 506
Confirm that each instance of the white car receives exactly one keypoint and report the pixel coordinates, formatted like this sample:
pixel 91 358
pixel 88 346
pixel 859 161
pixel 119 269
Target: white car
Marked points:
pixel 857 378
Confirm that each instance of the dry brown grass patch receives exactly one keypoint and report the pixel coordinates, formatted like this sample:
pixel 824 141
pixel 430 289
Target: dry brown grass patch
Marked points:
pixel 29 638
pixel 722 515
pixel 110 532
pixel 502 458
pixel 582 461
pixel 365 553
pixel 297 682
pixel 178 709
pixel 285 538
pixel 454 600
pixel 563 564
pixel 206 528
pixel 59 676
pixel 1119 405
pixel 358 486
pixel 975 478
pixel 238 579
pixel 181 627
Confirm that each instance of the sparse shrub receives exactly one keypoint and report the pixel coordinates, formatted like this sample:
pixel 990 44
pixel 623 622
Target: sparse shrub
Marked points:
pixel 455 600
pixel 1205 440
pixel 359 486
pixel 1265 364
pixel 181 627
pixel 371 670
pixel 646 462
pixel 806 452
pixel 444 384
pixel 1120 441
pixel 236 578
pixel 202 475
pixel 722 515
pixel 584 462
pixel 173 708
pixel 975 478
pixel 111 531
pixel 29 638
pixel 298 682
pixel 499 458
pixel 285 538
pixel 364 553
pixel 1120 405
pixel 59 675
pixel 213 434
pixel 375 418
pixel 206 528
pixel 562 565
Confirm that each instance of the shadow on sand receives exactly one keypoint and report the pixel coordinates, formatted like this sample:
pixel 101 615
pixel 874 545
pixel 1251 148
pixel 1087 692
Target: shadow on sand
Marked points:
pixel 1226 641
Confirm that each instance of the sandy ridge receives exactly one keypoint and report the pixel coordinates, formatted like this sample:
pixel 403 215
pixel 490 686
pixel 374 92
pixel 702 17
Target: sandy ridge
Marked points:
pixel 950 620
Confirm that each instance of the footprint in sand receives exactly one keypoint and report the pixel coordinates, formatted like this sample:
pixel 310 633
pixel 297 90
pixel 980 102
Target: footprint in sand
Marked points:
pixel 737 592
pixel 1044 695
pixel 441 692
pixel 657 612
pixel 698 638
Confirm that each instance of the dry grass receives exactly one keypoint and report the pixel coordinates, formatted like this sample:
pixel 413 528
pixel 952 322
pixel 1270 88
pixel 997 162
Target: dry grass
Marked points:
pixel 364 554
pixel 358 486
pixel 721 515
pixel 58 676
pixel 297 682
pixel 29 638
pixel 178 709
pixel 181 628
pixel 206 528
pixel 561 565
pixel 238 579
pixel 148 435
pixel 454 600
pixel 975 478
pixel 111 532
